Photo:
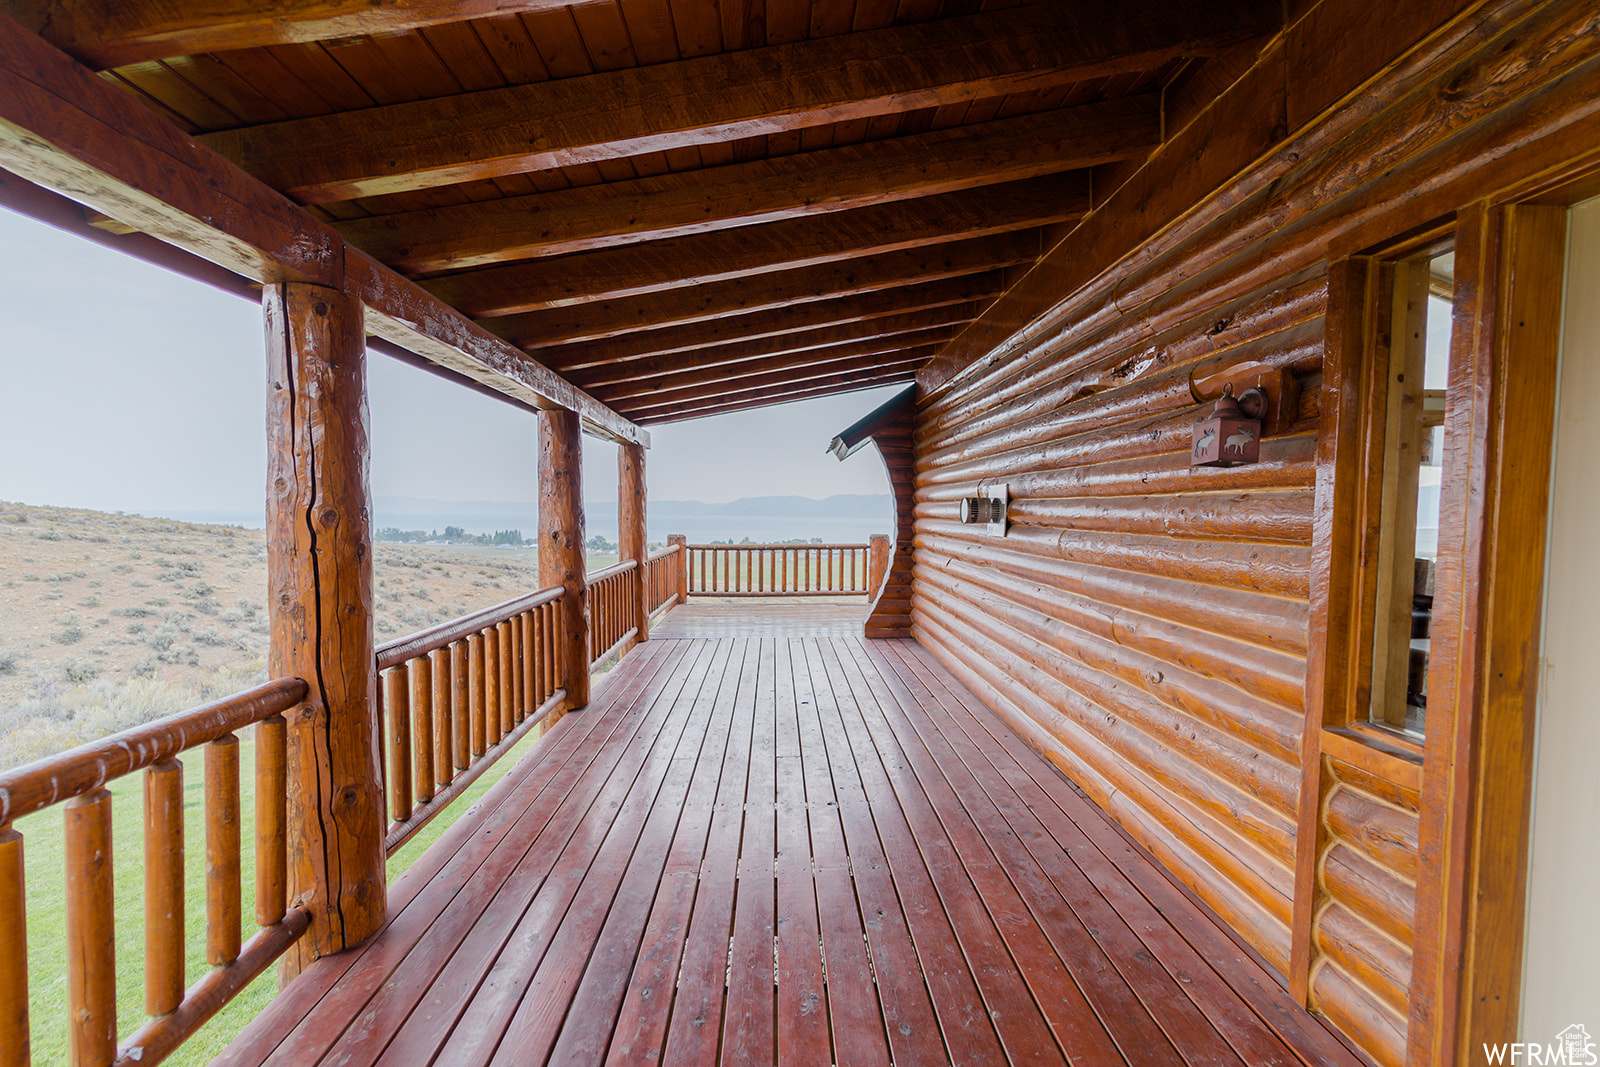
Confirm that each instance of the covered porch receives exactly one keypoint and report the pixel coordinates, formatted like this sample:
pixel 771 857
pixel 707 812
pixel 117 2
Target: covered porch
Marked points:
pixel 796 846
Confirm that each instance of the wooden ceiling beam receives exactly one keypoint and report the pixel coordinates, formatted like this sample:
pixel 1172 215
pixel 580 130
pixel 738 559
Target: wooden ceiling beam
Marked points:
pixel 609 318
pixel 699 259
pixel 727 406
pixel 67 130
pixel 853 333
pixel 777 383
pixel 764 190
pixel 110 33
pixel 969 293
pixel 727 97
pixel 729 374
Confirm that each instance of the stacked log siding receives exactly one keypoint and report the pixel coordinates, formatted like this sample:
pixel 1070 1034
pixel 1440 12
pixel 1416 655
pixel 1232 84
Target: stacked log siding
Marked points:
pixel 1144 622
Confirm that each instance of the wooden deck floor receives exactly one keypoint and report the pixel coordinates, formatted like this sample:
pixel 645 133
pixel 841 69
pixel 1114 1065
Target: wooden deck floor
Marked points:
pixel 764 616
pixel 786 849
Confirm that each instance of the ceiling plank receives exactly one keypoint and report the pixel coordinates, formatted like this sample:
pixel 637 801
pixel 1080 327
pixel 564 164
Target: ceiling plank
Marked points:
pixel 726 97
pixel 699 259
pixel 764 190
pixel 863 332
pixel 608 318
pixel 111 33
pixel 67 130
pixel 730 375
pixel 972 291
pixel 759 398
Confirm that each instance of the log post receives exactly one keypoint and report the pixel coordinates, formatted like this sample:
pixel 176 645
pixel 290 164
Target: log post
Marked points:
pixel 631 525
pixel 877 562
pixel 319 576
pixel 14 1042
pixel 561 537
pixel 683 565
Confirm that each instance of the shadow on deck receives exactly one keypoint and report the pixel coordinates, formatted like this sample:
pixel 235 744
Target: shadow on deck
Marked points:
pixel 797 847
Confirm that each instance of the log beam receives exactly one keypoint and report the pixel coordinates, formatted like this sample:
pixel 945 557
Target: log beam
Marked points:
pixel 496 132
pixel 850 337
pixel 961 297
pixel 765 190
pixel 727 407
pixel 76 135
pixel 319 575
pixel 725 255
pixel 730 374
pixel 891 374
pixel 506 314
pixel 110 33
pixel 561 538
pixel 631 531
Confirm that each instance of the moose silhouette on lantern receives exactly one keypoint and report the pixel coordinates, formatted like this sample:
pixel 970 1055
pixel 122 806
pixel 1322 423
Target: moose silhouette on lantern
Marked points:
pixel 1231 434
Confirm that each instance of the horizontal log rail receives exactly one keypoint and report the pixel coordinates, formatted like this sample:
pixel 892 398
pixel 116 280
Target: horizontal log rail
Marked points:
pixel 779 570
pixel 610 624
pixel 661 578
pixel 77 779
pixel 455 698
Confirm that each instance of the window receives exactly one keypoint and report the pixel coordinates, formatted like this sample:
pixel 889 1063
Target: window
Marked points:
pixel 1413 361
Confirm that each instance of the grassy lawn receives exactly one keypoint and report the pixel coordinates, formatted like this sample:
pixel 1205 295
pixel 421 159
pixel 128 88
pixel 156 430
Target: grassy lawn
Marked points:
pixel 46 893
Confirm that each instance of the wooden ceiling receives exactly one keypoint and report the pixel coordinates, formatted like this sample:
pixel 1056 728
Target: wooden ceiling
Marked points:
pixel 683 206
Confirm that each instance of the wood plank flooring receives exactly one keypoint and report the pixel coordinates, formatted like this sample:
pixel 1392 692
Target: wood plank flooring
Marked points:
pixel 765 616
pixel 795 850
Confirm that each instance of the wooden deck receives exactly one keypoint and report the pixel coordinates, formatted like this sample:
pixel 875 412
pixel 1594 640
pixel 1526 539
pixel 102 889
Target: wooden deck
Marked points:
pixel 764 616
pixel 786 849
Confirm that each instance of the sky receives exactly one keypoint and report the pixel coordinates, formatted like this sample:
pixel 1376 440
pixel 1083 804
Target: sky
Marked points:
pixel 125 387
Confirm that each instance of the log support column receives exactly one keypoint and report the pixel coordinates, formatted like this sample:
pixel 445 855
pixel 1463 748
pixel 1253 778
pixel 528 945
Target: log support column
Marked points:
pixel 319 576
pixel 561 537
pixel 683 565
pixel 632 534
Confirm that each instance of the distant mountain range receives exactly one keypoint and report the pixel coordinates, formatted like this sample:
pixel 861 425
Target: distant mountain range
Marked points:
pixel 842 506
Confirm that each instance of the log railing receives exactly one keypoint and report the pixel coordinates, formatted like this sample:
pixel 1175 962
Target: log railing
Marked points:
pixel 457 697
pixel 778 570
pixel 661 577
pixel 77 779
pixel 610 621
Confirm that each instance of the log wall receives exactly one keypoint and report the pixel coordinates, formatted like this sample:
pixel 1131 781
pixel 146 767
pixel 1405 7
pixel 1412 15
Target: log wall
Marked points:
pixel 1144 622
pixel 890 614
pixel 1163 633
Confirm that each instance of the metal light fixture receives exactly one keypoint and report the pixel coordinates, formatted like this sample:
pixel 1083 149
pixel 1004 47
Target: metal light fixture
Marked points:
pixel 1231 435
pixel 989 508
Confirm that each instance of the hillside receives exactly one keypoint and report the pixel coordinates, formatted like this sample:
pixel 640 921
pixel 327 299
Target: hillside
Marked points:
pixel 109 620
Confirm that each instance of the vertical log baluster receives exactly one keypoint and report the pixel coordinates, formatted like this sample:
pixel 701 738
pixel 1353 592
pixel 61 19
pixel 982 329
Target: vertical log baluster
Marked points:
pixel 506 654
pixel 14 1041
pixel 91 932
pixel 223 880
pixel 163 888
pixel 461 703
pixel 397 716
pixel 491 686
pixel 530 681
pixel 551 653
pixel 443 717
pixel 419 675
pixel 272 861
pixel 475 692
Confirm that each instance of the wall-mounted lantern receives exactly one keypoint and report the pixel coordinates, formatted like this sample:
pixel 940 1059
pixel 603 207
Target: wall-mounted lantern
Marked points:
pixel 1231 434
pixel 988 508
pixel 1248 401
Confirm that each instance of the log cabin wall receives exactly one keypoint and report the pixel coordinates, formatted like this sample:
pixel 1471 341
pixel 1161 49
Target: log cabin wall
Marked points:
pixel 890 614
pixel 1154 629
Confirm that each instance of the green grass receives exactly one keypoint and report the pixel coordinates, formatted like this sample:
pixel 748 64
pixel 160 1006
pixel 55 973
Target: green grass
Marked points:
pixel 46 901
